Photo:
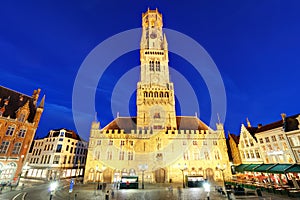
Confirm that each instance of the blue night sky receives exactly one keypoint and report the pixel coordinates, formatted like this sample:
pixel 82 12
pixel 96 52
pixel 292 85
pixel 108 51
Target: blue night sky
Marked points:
pixel 255 45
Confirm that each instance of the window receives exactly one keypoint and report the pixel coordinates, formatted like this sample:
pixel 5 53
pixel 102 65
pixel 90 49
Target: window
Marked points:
pixel 109 155
pixel 206 155
pixel 10 130
pixel 243 155
pixel 186 156
pixel 130 155
pixel 204 142
pixel 22 116
pixel 251 143
pixel 61 139
pixel 71 150
pixel 257 153
pixel 98 142
pixel 157 66
pixel 284 145
pixel 248 155
pixel 215 142
pixel 131 143
pixel 122 142
pixel 270 147
pixel 267 139
pixel 58 149
pixel 261 141
pixel 252 154
pixel 110 142
pixel 4 146
pixel 151 64
pixel 121 155
pixel 22 133
pixel 273 137
pixel 159 156
pixel 184 143
pixel 67 148
pixel 17 148
pixel 281 137
pixel 217 155
pixel 56 159
pixel 246 143
pixel 195 142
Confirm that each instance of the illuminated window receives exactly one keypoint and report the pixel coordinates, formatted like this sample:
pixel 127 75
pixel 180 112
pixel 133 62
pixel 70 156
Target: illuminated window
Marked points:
pixel 206 155
pixel 257 153
pixel 22 132
pixel 10 130
pixel 17 148
pixel 122 142
pixel 22 116
pixel 273 137
pixel 121 155
pixel 130 155
pixel 4 147
pixel 267 139
pixel 281 137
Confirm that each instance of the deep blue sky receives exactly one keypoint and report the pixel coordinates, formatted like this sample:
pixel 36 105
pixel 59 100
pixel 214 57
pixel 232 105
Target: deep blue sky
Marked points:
pixel 254 43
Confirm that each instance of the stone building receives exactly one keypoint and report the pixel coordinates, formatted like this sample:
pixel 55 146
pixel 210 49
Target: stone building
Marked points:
pixel 233 144
pixel 61 154
pixel 19 118
pixel 156 144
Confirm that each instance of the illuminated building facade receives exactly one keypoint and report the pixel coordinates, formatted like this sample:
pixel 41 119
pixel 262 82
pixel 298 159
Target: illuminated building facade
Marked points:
pixel 156 143
pixel 61 154
pixel 19 118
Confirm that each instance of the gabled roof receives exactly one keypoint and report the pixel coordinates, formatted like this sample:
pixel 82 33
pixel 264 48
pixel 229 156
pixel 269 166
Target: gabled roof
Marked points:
pixel 68 133
pixel 236 138
pixel 129 123
pixel 288 124
pixel 11 101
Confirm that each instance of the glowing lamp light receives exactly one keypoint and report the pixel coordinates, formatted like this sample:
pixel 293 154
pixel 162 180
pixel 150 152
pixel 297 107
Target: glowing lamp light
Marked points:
pixel 53 186
pixel 206 187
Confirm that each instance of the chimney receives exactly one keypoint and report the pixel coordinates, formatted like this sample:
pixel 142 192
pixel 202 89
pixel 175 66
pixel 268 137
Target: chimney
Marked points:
pixel 283 115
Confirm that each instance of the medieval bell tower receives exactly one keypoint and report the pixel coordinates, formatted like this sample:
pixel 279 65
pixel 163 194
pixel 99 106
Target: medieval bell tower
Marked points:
pixel 155 92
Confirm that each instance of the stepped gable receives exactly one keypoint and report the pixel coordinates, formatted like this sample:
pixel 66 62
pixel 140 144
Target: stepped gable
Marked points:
pixel 11 101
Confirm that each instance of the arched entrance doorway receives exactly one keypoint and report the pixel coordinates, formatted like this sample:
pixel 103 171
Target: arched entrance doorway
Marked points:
pixel 107 176
pixel 160 175
pixel 209 174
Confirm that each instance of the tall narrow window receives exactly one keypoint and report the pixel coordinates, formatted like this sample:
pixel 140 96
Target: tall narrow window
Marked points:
pixel 22 116
pixel 22 132
pixel 17 148
pixel 121 155
pixel 151 64
pixel 130 155
pixel 157 67
pixel 4 147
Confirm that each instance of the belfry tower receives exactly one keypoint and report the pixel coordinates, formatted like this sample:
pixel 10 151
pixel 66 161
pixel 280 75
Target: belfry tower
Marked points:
pixel 155 92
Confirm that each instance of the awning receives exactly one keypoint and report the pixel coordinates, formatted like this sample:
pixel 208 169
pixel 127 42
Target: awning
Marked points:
pixel 263 167
pixel 240 168
pixel 294 168
pixel 251 167
pixel 279 168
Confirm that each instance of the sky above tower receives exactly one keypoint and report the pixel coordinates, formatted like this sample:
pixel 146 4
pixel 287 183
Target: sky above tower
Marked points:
pixel 254 45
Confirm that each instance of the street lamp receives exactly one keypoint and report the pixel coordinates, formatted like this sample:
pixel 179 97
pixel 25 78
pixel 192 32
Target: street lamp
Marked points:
pixel 143 168
pixel 99 171
pixel 182 168
pixel 219 167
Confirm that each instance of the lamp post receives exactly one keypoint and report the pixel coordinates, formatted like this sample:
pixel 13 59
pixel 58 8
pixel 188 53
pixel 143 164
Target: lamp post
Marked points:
pixel 99 171
pixel 143 168
pixel 219 167
pixel 182 168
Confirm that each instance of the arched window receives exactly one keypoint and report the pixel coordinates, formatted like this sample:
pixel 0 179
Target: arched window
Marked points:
pixel 150 94
pixel 161 94
pixel 22 116
pixel 157 68
pixel 166 94
pixel 155 94
pixel 145 94
pixel 151 65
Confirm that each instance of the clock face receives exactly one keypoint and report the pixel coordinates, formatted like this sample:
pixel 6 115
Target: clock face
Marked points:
pixel 153 35
pixel 155 79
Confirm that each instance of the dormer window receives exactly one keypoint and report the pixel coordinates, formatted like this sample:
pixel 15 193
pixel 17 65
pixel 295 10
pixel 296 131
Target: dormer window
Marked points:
pixel 62 134
pixel 22 116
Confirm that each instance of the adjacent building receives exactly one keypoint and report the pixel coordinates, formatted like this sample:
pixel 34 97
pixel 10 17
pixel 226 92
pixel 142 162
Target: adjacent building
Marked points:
pixel 156 144
pixel 277 142
pixel 19 118
pixel 61 154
